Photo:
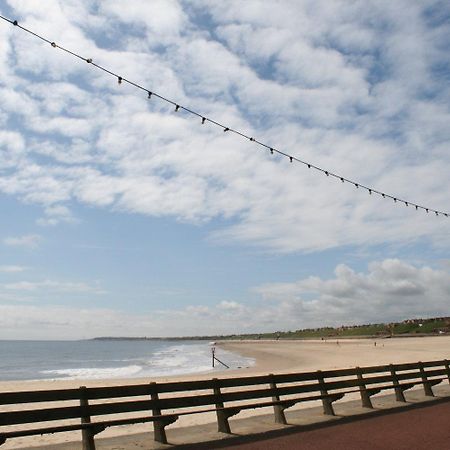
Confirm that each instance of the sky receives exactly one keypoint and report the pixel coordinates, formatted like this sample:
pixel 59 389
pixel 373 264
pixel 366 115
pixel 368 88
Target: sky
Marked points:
pixel 123 217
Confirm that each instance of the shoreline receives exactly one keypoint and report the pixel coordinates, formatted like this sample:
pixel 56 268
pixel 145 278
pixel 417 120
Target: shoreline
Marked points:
pixel 294 355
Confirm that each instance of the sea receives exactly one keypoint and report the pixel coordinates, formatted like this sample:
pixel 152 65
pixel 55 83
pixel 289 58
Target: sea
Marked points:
pixel 105 359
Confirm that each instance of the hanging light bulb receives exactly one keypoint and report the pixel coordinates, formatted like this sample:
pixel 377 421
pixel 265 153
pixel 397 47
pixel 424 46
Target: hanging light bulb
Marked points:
pixel 177 107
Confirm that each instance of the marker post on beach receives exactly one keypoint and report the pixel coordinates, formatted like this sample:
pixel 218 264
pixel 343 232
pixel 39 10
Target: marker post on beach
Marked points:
pixel 213 351
pixel 213 354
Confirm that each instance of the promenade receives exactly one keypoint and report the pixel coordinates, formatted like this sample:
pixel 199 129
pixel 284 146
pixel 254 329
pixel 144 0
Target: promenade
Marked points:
pixel 417 429
pixel 420 424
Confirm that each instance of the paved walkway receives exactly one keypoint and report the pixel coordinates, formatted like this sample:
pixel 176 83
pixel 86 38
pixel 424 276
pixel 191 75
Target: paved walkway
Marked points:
pixel 421 424
pixel 425 428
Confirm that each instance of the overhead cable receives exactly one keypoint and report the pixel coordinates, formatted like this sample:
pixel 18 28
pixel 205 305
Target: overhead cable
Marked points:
pixel 177 107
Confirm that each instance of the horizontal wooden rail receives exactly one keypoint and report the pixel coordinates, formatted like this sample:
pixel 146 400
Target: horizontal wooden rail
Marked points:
pixel 226 397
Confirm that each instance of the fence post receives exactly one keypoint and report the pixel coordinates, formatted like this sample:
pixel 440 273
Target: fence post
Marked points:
pixel 365 397
pixel 428 391
pixel 278 409
pixel 158 425
pixel 447 367
pixel 222 418
pixel 87 434
pixel 326 401
pixel 400 397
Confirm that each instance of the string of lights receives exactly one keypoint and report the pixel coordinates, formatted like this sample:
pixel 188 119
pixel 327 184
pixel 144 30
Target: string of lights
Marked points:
pixel 177 107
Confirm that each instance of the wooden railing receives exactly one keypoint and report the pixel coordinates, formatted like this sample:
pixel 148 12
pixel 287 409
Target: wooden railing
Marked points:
pixel 164 403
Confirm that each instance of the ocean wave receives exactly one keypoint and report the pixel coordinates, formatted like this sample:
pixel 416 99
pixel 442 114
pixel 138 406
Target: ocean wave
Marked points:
pixel 85 360
pixel 178 359
pixel 95 373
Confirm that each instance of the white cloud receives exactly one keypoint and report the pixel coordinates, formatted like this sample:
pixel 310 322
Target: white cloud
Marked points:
pixel 161 18
pixel 229 305
pixel 391 290
pixel 36 322
pixel 56 214
pixel 12 269
pixel 28 240
pixel 349 86
pixel 13 151
pixel 51 285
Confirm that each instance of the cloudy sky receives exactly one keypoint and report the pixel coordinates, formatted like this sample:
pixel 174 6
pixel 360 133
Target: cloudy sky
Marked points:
pixel 120 216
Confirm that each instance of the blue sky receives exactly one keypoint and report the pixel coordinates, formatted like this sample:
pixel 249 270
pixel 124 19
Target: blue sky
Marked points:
pixel 122 217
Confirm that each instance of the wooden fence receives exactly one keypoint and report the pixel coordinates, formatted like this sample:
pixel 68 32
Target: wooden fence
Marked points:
pixel 94 409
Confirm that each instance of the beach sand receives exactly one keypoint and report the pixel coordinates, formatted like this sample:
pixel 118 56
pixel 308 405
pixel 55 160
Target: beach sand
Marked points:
pixel 305 355
pixel 270 357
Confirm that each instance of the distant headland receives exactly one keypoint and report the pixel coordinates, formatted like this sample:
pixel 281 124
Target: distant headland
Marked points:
pixel 406 328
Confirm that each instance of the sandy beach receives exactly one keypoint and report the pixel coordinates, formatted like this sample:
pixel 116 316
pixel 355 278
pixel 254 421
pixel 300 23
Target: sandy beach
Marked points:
pixel 304 355
pixel 270 357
